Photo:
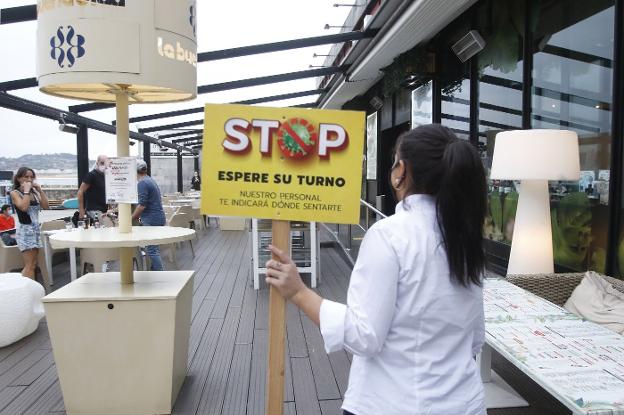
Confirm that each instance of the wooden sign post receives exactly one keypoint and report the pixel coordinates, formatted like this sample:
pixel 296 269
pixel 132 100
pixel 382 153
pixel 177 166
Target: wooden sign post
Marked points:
pixel 284 164
pixel 277 329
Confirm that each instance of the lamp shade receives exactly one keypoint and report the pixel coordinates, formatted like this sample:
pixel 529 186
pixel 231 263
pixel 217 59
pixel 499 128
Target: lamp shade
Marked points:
pixel 536 155
pixel 88 49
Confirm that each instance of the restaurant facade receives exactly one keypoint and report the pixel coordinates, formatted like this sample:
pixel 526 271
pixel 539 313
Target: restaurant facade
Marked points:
pixel 497 65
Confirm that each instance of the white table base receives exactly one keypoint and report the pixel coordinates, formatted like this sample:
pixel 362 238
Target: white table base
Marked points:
pixel 498 393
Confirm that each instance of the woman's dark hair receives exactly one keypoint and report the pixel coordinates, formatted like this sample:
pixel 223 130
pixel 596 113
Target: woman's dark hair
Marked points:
pixel 442 165
pixel 21 172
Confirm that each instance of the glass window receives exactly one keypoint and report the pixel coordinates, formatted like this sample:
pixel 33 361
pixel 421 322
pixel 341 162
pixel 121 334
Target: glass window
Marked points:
pixel 572 89
pixel 501 24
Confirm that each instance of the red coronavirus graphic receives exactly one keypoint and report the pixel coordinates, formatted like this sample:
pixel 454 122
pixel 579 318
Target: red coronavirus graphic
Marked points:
pixel 296 138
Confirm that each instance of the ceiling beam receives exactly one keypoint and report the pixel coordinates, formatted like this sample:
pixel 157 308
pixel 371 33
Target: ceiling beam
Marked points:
pixel 182 133
pixel 285 45
pixel 197 110
pixel 184 140
pixel 241 83
pixel 18 84
pixel 170 126
pixel 34 108
pixel 18 14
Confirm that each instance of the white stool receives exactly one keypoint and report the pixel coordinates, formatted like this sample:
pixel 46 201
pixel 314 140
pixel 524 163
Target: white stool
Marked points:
pixel 20 307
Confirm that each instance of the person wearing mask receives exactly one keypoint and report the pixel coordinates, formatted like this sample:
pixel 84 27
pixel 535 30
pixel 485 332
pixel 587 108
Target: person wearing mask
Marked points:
pixel 414 316
pixel 149 210
pixel 7 226
pixel 196 182
pixel 92 191
pixel 28 198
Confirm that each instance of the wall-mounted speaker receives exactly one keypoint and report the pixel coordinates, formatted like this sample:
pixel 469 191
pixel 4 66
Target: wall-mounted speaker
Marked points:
pixel 468 46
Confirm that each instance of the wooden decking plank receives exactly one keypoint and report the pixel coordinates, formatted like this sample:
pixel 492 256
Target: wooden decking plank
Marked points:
pixel 257 384
pixel 290 408
pixel 230 276
pixel 190 394
pixel 242 279
pixel 341 365
pixel 8 378
pixel 289 391
pixel 8 395
pixel 59 406
pixel 29 395
pixel 198 326
pixel 206 282
pixel 341 360
pixel 331 407
pixel 262 310
pixel 248 314
pixel 43 360
pixel 237 389
pixel 49 401
pixel 324 379
pixel 294 331
pixel 216 274
pixel 35 339
pixel 209 252
pixel 305 390
pixel 213 395
pixel 12 348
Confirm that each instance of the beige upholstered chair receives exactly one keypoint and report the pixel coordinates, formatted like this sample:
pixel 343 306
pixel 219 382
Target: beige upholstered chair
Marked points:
pixel 180 220
pixel 49 226
pixel 193 215
pixel 10 258
pixel 97 257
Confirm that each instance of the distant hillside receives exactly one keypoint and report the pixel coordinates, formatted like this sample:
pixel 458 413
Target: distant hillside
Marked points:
pixel 60 161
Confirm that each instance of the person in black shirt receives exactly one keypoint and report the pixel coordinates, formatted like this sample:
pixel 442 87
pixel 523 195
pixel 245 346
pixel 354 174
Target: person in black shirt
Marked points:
pixel 92 191
pixel 196 182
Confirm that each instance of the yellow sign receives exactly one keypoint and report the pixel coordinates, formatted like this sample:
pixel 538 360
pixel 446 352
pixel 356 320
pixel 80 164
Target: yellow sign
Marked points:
pixel 282 163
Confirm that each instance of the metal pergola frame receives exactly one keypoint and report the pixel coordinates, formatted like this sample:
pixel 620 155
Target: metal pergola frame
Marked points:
pixel 29 13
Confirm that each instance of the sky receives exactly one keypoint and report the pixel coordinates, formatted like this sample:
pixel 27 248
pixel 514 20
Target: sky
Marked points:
pixel 221 25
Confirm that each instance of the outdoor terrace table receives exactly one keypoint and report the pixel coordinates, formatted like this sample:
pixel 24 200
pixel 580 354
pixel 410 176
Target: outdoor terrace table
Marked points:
pixel 107 238
pixel 578 362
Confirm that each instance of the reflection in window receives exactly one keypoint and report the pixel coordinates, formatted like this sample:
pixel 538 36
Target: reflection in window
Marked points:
pixel 572 89
pixel 456 108
pixel 501 23
pixel 422 105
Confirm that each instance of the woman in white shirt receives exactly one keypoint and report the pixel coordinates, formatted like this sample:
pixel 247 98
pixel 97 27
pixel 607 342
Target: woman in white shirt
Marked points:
pixel 414 313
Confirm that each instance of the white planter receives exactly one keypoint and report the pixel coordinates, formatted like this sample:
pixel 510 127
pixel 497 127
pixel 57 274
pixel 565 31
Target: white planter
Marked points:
pixel 121 349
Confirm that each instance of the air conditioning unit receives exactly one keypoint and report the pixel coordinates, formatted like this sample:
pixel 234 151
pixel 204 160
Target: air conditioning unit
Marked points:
pixel 468 46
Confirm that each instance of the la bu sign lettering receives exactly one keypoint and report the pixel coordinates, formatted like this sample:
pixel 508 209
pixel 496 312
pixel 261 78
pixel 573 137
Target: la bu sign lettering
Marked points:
pixel 282 163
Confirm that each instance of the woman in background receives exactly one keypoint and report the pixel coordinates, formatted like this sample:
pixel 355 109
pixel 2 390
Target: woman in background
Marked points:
pixel 414 314
pixel 28 198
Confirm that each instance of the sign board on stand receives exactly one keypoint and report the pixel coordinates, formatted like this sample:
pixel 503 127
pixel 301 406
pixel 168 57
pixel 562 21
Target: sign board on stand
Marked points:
pixel 282 164
pixel 122 52
pixel 121 180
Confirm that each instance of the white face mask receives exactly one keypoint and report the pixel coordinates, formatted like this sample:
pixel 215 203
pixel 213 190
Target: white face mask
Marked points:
pixel 101 168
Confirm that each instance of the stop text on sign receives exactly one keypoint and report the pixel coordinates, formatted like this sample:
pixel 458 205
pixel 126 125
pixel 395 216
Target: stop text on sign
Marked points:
pixel 297 138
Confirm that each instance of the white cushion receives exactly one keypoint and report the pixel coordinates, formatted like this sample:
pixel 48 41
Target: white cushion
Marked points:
pixel 596 300
pixel 21 307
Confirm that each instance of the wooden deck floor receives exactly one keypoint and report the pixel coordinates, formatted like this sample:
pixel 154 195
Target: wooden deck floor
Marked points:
pixel 227 352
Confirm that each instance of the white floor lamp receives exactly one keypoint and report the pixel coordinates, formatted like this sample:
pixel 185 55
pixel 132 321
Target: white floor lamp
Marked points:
pixel 534 157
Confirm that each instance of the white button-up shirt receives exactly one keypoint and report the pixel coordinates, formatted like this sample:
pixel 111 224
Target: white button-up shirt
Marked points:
pixel 412 330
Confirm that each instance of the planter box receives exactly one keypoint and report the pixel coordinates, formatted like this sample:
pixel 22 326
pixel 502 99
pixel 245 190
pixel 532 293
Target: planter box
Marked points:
pixel 121 349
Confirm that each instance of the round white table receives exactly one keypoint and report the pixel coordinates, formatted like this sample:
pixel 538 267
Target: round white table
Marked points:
pixel 112 238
